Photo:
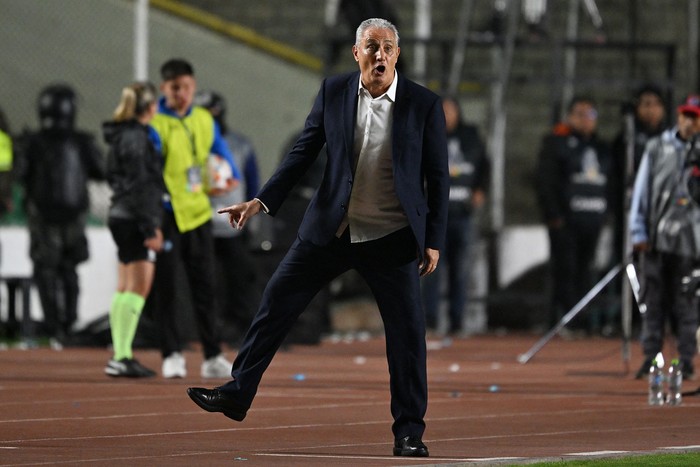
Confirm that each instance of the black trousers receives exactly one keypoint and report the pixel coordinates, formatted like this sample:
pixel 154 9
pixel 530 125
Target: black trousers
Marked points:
pixel 668 300
pixel 195 251
pixel 238 284
pixel 389 266
pixel 572 252
pixel 56 250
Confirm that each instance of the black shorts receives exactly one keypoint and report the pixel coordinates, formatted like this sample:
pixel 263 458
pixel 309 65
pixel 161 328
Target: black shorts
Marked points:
pixel 129 240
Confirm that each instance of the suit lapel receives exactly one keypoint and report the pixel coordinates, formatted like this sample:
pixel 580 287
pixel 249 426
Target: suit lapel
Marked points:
pixel 401 107
pixel 349 115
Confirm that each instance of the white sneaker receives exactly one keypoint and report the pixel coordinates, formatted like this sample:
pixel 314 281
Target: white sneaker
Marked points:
pixel 216 367
pixel 174 366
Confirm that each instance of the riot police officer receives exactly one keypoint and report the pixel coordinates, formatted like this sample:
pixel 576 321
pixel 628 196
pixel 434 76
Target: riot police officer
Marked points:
pixel 54 167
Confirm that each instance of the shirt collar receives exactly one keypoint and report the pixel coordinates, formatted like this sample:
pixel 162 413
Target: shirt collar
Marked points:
pixel 391 93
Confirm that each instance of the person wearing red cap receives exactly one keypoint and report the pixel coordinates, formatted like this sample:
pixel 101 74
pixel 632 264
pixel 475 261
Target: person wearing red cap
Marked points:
pixel 665 232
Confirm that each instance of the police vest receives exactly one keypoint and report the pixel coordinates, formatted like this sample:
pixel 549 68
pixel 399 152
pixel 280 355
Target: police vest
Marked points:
pixel 462 167
pixel 586 189
pixel 57 184
pixel 466 158
pixel 186 143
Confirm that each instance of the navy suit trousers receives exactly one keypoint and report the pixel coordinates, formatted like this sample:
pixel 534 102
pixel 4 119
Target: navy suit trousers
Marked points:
pixel 389 266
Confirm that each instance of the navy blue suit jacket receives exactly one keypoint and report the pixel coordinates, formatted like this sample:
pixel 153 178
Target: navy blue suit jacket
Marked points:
pixel 419 152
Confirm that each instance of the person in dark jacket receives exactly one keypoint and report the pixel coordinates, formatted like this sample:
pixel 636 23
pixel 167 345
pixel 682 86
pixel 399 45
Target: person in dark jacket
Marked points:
pixel 237 290
pixel 648 111
pixel 573 174
pixel 54 166
pixel 469 169
pixel 134 174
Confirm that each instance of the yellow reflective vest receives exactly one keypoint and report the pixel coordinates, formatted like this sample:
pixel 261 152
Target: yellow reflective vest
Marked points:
pixel 186 143
pixel 5 152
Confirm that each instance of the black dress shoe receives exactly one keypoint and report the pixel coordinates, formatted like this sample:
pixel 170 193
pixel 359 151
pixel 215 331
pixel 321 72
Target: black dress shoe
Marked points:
pixel 213 400
pixel 410 446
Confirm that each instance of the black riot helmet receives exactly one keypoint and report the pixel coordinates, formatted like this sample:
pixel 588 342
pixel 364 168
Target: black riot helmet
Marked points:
pixel 57 107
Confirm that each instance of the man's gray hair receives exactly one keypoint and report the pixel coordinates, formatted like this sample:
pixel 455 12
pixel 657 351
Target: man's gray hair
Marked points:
pixel 375 23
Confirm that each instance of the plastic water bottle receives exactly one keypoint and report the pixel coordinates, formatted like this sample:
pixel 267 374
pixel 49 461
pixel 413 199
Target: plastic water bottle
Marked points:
pixel 656 382
pixel 675 381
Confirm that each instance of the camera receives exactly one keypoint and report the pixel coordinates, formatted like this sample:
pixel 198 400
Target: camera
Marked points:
pixel 692 157
pixel 692 169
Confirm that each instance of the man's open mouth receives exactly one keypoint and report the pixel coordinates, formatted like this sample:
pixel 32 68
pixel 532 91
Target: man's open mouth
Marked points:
pixel 380 69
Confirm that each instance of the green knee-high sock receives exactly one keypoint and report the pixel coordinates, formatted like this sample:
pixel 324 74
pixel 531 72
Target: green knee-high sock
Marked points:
pixel 115 324
pixel 133 305
pixel 123 321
